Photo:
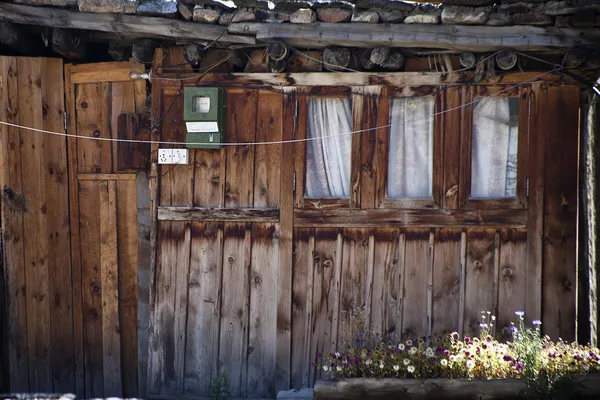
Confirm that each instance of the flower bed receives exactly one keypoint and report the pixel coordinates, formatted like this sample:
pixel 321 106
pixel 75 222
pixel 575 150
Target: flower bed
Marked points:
pixel 453 367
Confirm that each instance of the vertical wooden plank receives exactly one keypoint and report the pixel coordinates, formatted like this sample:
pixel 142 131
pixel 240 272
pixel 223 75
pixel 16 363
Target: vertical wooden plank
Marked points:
pixel 12 228
pixel 300 118
pixel 35 226
pixel 132 156
pixel 127 233
pixel 267 171
pixel 76 262
pixel 479 277
pixel 233 341
pixel 209 177
pixel 326 289
pixel 369 156
pixel 386 284
pixel 122 101
pixel 513 279
pixel 57 213
pixel 241 128
pixel 354 288
pixel 176 181
pixel 417 260
pixel 167 355
pixel 263 310
pixel 463 276
pixel 446 281
pixel 439 134
pixel 382 147
pixel 91 283
pixel 283 363
pixel 358 102
pixel 91 105
pixel 453 130
pixel 109 282
pixel 145 381
pixel 523 145
pixel 535 212
pixel 302 307
pixel 202 336
pixel 560 215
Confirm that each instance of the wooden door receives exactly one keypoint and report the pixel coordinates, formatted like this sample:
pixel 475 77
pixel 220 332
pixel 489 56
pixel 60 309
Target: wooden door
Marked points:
pixel 103 102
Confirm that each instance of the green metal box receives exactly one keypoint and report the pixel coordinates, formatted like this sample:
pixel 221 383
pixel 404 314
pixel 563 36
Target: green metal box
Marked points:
pixel 204 116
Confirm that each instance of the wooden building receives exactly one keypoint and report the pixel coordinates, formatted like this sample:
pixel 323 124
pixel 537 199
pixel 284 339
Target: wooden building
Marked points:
pixel 391 176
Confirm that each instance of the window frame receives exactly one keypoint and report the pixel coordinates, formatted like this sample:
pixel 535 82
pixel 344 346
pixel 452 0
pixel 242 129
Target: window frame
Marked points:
pixel 437 153
pixel 520 201
pixel 302 200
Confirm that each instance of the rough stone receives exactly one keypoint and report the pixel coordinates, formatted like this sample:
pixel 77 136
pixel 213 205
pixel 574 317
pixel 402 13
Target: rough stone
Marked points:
pixel 499 19
pixel 471 3
pixel 262 4
pixel 332 4
pixel 108 6
pixel 303 16
pixel 390 5
pixel 225 18
pixel 459 15
pixel 243 14
pixel 158 8
pixel 365 16
pixel 533 18
pixel 559 8
pixel 56 3
pixel 291 5
pixel 334 14
pixel 518 1
pixel 303 394
pixel 271 16
pixel 519 8
pixel 424 15
pixel 185 11
pixel 391 16
pixel 206 15
pixel 217 5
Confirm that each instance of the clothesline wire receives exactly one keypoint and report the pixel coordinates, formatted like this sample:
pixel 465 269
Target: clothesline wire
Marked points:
pixel 533 80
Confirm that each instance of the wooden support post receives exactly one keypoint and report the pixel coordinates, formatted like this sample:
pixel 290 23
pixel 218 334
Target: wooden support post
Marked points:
pixel 336 58
pixel 68 44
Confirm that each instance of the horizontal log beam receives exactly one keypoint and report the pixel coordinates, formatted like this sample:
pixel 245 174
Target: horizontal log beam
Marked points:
pixel 431 218
pixel 134 25
pixel 455 37
pixel 399 79
pixel 168 213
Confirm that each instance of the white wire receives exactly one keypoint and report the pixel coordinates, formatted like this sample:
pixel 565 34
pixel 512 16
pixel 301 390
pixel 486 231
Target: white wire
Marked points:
pixel 272 142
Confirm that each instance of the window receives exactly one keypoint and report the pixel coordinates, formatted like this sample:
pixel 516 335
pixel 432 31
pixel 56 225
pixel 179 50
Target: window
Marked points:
pixel 494 148
pixel 329 159
pixel 410 162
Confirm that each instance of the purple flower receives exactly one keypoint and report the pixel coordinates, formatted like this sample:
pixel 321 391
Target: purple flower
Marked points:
pixel 519 366
pixel 332 364
pixel 319 356
pixel 446 353
pixel 340 358
pixel 507 358
pixel 537 322
pixel 346 366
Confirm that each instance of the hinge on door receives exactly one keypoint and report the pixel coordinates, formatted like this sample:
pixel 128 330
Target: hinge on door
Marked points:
pixel 527 188
pixel 65 120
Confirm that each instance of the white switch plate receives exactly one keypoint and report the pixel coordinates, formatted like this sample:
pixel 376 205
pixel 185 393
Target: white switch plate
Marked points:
pixel 165 156
pixel 180 156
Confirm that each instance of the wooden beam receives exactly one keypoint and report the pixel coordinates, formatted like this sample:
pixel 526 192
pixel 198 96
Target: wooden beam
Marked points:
pixel 373 218
pixel 209 214
pixel 117 23
pixel 455 37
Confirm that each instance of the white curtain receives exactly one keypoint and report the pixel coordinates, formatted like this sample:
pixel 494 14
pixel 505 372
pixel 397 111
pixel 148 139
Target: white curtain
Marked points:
pixel 328 160
pixel 494 148
pixel 410 164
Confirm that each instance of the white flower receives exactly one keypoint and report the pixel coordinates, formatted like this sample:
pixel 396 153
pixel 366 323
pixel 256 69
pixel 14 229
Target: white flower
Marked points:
pixel 470 364
pixel 458 358
pixel 537 322
pixel 444 362
pixel 337 355
pixel 413 350
pixel 483 326
pixel 493 317
pixel 339 368
pixel 325 368
pixel 519 313
pixel 406 361
pixel 429 352
pixel 381 366
pixel 411 368
pixel 409 342
pixel 368 362
pixel 396 367
pixel 401 347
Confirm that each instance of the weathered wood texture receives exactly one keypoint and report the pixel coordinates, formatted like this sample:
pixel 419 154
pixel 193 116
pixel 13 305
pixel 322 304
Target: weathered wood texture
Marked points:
pixel 293 277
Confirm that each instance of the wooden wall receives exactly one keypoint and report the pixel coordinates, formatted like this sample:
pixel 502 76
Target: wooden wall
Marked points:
pixel 70 227
pixel 254 280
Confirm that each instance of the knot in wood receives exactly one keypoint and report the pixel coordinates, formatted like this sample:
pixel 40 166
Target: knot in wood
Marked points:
pixel 96 287
pixel 231 259
pixel 328 263
pixel 507 271
pixel 477 264
pixel 96 133
pixel 568 283
pixel 257 280
pixel 317 260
